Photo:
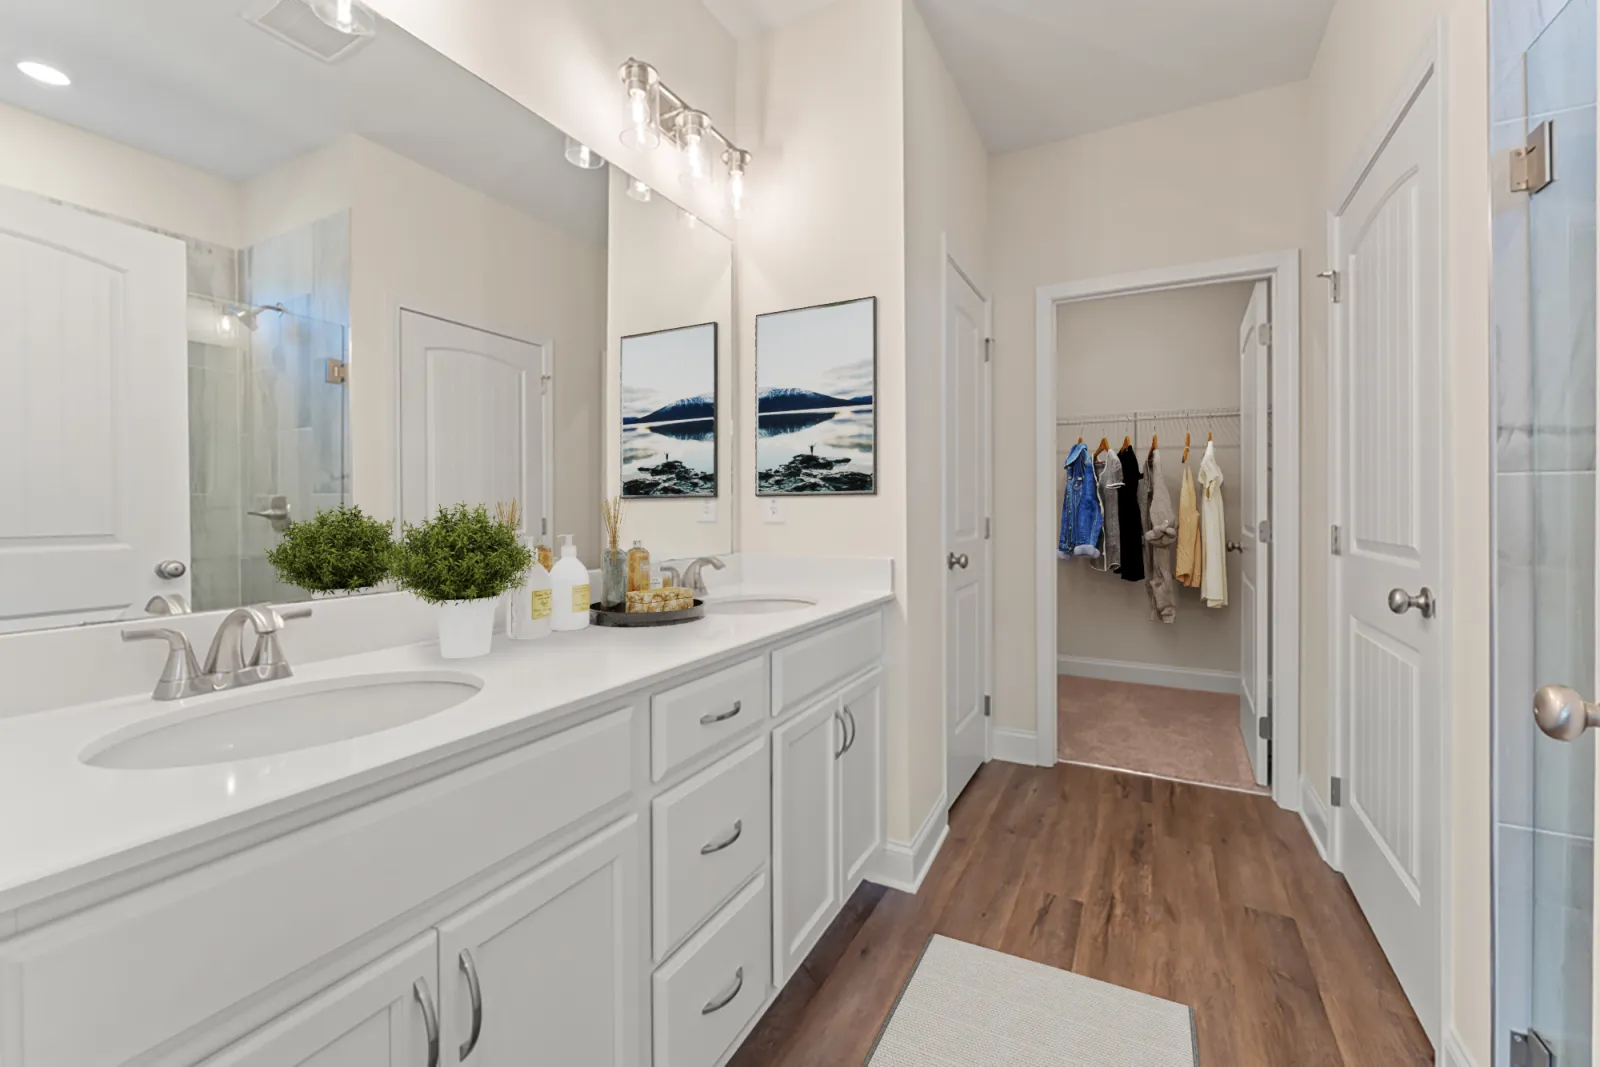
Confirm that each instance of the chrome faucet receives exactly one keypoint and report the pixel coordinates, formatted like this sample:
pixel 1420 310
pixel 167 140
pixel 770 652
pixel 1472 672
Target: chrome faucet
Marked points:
pixel 226 666
pixel 693 577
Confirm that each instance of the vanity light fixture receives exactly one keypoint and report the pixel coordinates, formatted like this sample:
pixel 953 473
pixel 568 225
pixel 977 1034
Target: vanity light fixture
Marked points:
pixel 44 73
pixel 653 112
pixel 639 191
pixel 349 17
pixel 582 156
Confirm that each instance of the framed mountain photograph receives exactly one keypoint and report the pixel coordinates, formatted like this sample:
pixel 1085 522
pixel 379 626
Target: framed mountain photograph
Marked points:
pixel 816 377
pixel 669 413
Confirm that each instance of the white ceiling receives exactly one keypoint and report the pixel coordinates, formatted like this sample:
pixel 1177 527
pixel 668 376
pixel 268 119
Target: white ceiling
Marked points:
pixel 1036 71
pixel 192 81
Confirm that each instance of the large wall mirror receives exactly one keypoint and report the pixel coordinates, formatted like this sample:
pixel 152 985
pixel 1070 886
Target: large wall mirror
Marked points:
pixel 252 267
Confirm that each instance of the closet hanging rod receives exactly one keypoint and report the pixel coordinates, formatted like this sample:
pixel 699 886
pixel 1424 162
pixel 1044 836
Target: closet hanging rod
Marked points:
pixel 1196 415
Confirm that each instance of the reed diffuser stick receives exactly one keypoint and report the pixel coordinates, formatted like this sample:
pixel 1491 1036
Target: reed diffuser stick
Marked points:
pixel 611 515
pixel 509 514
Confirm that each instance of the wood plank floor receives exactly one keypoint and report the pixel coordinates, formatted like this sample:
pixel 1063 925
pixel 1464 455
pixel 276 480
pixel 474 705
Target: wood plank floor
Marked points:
pixel 1212 898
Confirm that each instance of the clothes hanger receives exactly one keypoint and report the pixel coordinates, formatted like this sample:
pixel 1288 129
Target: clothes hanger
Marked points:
pixel 1080 440
pixel 1127 442
pixel 1105 446
pixel 1185 448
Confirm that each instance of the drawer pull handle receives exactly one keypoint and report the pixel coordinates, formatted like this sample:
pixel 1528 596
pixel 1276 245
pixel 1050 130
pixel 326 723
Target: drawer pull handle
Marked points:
pixel 430 1018
pixel 712 720
pixel 844 734
pixel 851 717
pixel 474 991
pixel 718 1003
pixel 727 842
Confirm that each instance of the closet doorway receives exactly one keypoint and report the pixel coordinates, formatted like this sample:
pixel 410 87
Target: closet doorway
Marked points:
pixel 1146 663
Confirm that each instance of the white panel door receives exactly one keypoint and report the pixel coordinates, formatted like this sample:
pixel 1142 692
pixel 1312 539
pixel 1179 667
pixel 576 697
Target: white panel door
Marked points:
pixel 1387 250
pixel 862 810
pixel 965 496
pixel 472 419
pixel 378 1017
pixel 94 441
pixel 548 966
pixel 805 832
pixel 1255 709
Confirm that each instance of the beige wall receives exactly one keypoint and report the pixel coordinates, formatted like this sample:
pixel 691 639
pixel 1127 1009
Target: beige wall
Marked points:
pixel 1367 52
pixel 50 159
pixel 421 241
pixel 560 58
pixel 664 274
pixel 946 205
pixel 820 106
pixel 1226 179
pixel 1151 352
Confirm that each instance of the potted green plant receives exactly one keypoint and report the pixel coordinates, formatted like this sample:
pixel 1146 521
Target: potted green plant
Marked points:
pixel 341 550
pixel 464 561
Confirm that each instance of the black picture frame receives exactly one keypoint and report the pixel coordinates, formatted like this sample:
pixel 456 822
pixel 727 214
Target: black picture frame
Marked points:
pixel 716 409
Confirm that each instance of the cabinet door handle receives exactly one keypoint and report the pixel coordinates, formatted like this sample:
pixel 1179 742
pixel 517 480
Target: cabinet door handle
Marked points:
pixel 712 720
pixel 430 1018
pixel 718 1003
pixel 844 734
pixel 474 991
pixel 851 717
pixel 712 847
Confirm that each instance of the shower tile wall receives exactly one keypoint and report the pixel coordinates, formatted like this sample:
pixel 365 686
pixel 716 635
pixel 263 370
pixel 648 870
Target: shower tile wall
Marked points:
pixel 1543 311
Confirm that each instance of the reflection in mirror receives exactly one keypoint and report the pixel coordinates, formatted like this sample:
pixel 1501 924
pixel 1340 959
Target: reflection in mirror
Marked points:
pixel 670 329
pixel 252 268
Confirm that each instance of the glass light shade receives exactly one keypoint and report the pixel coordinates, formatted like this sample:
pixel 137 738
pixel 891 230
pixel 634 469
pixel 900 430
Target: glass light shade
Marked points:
pixel 639 114
pixel 346 16
pixel 582 156
pixel 639 191
pixel 737 160
pixel 696 151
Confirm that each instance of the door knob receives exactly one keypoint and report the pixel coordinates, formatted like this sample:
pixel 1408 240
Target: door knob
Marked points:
pixel 1401 602
pixel 1562 713
pixel 958 561
pixel 171 569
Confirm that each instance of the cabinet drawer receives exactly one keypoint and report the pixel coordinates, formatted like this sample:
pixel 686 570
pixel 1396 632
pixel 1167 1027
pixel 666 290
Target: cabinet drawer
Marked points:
pixel 710 836
pixel 709 991
pixel 806 668
pixel 110 983
pixel 693 717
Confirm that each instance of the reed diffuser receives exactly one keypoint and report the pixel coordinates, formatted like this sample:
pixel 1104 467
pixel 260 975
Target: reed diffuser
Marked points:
pixel 614 570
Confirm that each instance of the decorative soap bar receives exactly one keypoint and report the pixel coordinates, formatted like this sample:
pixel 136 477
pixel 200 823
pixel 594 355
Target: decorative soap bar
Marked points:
pixel 672 598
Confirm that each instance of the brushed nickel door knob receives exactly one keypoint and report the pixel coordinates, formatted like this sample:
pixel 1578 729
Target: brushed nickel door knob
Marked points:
pixel 1562 713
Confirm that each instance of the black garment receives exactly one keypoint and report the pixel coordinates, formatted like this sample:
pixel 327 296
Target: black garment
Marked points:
pixel 1128 521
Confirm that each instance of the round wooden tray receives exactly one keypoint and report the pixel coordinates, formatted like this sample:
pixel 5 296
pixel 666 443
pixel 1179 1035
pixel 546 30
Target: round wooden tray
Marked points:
pixel 601 617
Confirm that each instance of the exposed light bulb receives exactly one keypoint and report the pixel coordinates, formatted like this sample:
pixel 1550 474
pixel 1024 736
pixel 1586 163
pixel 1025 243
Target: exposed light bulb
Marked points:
pixel 639 191
pixel 692 127
pixel 44 73
pixel 639 106
pixel 737 160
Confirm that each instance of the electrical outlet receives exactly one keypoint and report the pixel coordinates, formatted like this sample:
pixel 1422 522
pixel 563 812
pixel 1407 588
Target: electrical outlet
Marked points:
pixel 773 512
pixel 708 511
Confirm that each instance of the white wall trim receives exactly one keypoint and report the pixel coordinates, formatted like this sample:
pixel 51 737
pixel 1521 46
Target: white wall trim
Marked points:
pixel 1314 813
pixel 1015 746
pixel 1281 270
pixel 1113 670
pixel 1454 1053
pixel 903 866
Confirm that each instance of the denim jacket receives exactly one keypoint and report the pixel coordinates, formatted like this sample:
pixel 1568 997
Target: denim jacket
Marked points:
pixel 1081 517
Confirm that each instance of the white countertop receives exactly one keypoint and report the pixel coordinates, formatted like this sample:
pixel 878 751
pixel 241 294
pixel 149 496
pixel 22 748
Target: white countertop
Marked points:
pixel 67 824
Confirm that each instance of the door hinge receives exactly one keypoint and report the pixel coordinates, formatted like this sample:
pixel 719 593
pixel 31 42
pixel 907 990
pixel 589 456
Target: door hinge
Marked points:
pixel 1533 163
pixel 988 526
pixel 544 526
pixel 988 349
pixel 1265 334
pixel 337 372
pixel 1336 792
pixel 987 709
pixel 544 384
pixel 1264 727
pixel 1335 541
pixel 1530 1050
pixel 1264 531
pixel 1333 282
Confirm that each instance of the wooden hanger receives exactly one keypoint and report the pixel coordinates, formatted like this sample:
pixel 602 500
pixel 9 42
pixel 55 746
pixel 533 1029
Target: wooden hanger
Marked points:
pixel 1208 437
pixel 1080 440
pixel 1153 445
pixel 1185 448
pixel 1105 446
pixel 1127 442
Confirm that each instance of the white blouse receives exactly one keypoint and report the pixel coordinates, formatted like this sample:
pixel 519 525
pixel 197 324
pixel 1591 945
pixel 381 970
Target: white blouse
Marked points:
pixel 1213 538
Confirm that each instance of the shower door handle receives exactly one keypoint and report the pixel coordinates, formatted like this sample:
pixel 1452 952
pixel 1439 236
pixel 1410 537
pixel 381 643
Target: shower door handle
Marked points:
pixel 277 513
pixel 1562 713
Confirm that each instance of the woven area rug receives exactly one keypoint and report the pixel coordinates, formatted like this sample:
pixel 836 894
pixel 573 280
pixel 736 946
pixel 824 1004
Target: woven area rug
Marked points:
pixel 966 1006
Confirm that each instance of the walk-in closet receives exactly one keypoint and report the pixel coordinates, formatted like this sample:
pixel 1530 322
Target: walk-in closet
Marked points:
pixel 1163 455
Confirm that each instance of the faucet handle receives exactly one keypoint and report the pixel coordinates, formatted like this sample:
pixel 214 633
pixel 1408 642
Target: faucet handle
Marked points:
pixel 267 657
pixel 180 674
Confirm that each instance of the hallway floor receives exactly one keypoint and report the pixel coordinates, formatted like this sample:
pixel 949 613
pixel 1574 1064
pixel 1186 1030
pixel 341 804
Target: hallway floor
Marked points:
pixel 1208 897
pixel 1150 729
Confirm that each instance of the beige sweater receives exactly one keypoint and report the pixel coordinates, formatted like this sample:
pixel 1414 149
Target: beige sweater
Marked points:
pixel 1191 558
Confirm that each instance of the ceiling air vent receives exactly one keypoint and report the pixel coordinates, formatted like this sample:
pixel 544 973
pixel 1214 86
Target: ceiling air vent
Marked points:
pixel 294 22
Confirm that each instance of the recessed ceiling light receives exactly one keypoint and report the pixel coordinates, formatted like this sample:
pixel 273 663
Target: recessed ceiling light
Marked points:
pixel 43 72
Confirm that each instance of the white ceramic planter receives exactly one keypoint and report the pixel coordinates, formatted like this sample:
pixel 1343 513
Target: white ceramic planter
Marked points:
pixel 466 627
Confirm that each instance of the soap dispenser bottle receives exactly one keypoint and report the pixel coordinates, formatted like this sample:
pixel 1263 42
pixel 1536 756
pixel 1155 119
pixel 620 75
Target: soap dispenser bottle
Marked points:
pixel 569 581
pixel 528 608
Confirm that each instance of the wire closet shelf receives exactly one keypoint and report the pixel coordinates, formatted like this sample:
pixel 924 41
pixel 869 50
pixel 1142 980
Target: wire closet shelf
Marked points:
pixel 1168 426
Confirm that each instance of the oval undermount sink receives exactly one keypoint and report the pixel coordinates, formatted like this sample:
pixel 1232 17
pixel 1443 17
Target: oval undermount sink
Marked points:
pixel 278 717
pixel 756 605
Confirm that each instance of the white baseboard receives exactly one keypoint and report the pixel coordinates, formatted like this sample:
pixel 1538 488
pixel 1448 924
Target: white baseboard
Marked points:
pixel 1314 813
pixel 903 866
pixel 1111 670
pixel 1014 746
pixel 1454 1053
